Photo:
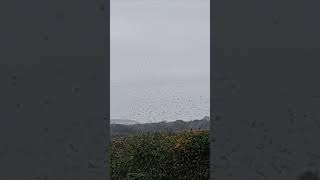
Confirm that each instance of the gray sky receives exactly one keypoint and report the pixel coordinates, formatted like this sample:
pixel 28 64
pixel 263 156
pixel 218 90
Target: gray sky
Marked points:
pixel 159 45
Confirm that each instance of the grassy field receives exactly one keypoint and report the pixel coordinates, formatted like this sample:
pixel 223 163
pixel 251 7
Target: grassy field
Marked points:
pixel 161 156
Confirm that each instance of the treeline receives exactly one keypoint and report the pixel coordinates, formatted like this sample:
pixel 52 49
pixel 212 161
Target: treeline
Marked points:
pixel 176 126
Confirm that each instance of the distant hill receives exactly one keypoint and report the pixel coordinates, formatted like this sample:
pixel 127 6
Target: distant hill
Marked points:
pixel 123 121
pixel 176 126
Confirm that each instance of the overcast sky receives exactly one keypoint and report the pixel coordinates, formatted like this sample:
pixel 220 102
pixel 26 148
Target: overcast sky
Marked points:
pixel 157 45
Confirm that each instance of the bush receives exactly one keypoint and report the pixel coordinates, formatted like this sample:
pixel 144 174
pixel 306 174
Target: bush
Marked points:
pixel 161 156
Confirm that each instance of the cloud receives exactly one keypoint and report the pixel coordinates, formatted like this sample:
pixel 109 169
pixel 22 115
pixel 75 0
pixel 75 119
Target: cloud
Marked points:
pixel 152 37
pixel 159 44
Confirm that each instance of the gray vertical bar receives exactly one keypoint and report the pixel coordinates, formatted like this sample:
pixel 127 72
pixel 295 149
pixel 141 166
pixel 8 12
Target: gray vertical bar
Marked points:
pixel 54 92
pixel 265 64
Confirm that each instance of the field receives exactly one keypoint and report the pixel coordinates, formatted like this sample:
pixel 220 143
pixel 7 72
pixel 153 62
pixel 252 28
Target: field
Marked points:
pixel 161 156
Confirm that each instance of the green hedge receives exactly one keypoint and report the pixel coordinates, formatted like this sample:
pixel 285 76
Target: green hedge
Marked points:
pixel 161 156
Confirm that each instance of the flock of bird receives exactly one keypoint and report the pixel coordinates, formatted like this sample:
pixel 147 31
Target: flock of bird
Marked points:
pixel 161 103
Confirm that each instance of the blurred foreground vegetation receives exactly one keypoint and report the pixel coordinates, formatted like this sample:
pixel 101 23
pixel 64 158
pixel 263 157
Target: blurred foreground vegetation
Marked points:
pixel 161 156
